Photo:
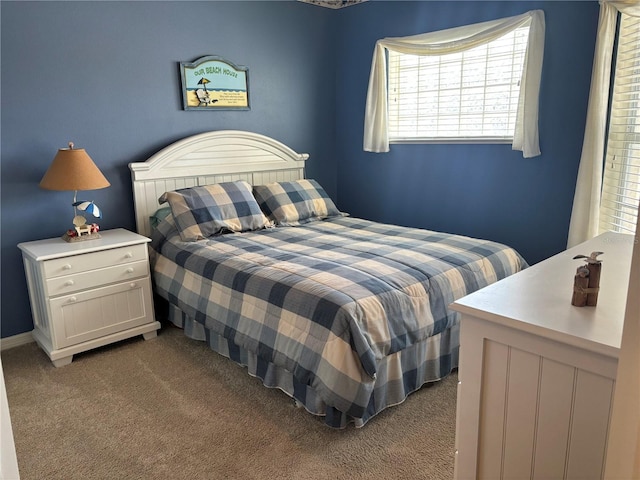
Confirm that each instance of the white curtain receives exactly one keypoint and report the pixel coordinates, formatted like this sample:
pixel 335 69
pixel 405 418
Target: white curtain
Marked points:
pixel 585 215
pixel 376 131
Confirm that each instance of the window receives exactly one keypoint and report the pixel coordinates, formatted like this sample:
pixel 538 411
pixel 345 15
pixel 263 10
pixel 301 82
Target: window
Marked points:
pixel 621 179
pixel 479 81
pixel 464 96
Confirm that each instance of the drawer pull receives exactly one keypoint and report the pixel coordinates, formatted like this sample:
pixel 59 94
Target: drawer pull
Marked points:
pixel 129 270
pixel 128 255
pixel 68 283
pixel 66 267
pixel 72 299
pixel 133 285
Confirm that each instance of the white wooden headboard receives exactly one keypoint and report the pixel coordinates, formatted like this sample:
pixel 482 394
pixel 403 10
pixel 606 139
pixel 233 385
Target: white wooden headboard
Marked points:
pixel 207 158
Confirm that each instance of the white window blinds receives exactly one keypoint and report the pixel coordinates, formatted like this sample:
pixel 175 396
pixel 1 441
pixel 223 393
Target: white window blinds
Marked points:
pixel 621 179
pixel 464 96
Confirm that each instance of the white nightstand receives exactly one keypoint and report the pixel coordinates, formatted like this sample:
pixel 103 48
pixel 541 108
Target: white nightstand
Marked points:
pixel 88 294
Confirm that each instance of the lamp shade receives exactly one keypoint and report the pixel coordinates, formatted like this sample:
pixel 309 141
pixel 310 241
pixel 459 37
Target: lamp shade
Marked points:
pixel 73 169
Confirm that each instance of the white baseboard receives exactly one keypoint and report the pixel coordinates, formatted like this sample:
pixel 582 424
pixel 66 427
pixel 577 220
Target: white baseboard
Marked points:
pixel 16 340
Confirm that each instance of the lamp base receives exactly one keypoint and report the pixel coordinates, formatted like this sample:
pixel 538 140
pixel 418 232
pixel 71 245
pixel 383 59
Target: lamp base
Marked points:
pixel 80 238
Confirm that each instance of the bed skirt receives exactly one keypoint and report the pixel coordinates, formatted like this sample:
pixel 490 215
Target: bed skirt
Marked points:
pixel 398 375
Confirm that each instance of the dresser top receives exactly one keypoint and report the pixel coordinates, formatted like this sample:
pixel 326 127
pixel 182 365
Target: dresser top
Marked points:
pixel 538 299
pixel 51 248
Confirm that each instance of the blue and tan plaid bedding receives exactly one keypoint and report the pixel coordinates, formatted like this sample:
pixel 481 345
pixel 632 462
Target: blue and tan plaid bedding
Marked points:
pixel 329 299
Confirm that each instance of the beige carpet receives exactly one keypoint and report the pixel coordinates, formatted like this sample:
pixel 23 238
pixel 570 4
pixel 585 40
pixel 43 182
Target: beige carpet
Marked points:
pixel 171 409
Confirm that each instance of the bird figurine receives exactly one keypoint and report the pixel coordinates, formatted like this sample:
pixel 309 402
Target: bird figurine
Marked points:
pixel 586 283
pixel 593 258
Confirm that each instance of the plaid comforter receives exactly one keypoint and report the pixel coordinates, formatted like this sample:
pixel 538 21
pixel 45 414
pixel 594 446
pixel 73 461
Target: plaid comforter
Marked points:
pixel 329 299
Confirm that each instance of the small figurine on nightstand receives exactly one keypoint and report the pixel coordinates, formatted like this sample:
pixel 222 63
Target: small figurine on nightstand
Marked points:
pixel 82 230
pixel 586 283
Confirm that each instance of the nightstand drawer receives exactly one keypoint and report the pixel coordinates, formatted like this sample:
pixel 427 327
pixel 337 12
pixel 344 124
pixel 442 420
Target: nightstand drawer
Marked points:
pixel 94 260
pixel 91 314
pixel 95 278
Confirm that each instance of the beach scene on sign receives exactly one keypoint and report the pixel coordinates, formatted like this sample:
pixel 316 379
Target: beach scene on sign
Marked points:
pixel 215 84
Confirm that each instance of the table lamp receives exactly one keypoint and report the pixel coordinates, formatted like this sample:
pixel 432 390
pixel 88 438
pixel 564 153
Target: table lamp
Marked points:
pixel 73 169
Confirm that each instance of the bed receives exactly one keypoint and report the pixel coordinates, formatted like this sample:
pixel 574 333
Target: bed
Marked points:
pixel 346 316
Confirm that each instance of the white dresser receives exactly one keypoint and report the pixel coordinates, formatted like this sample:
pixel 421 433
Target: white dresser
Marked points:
pixel 537 375
pixel 88 294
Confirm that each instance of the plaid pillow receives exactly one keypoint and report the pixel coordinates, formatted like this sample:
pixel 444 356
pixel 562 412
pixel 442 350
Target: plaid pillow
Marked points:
pixel 200 212
pixel 295 203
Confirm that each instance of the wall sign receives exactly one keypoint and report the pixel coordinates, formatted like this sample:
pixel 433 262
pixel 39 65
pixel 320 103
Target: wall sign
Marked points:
pixel 213 83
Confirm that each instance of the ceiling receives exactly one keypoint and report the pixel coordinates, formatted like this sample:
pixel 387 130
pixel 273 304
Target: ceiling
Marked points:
pixel 333 3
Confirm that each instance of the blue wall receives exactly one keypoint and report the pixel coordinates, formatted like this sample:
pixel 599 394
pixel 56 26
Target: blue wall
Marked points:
pixel 486 191
pixel 105 75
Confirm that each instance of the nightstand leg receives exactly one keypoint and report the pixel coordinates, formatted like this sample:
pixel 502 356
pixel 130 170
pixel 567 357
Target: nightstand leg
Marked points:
pixel 150 335
pixel 61 362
